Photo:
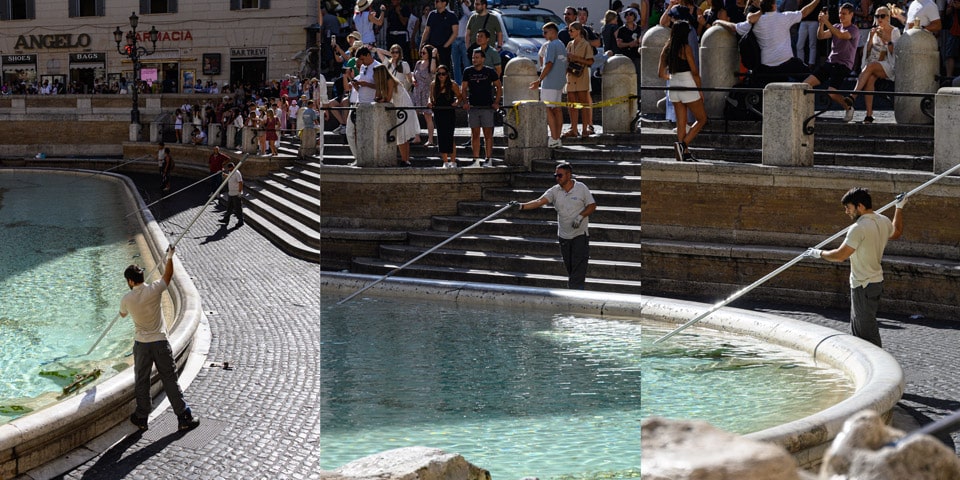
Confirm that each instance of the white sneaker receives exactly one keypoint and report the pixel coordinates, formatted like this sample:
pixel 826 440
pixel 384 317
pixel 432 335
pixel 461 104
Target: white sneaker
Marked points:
pixel 848 114
pixel 554 143
pixel 488 163
pixel 476 163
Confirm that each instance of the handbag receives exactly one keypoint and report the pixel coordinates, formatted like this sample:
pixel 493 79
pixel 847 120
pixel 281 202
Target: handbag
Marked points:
pixel 749 49
pixel 575 69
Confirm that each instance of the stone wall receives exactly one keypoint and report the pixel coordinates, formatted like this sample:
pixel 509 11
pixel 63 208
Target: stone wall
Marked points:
pixel 729 225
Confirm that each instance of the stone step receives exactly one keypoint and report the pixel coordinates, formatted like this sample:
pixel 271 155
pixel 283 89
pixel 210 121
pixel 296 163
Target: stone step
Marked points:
pixel 603 197
pixel 302 208
pixel 613 269
pixel 602 232
pixel 521 245
pixel 625 161
pixel 305 195
pixel 277 221
pixel 605 213
pixel 287 242
pixel 378 267
pixel 900 162
pixel 621 183
pixel 823 143
pixel 303 180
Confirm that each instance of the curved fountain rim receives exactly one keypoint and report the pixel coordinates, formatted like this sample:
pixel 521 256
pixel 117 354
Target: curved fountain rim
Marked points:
pixel 878 378
pixel 58 429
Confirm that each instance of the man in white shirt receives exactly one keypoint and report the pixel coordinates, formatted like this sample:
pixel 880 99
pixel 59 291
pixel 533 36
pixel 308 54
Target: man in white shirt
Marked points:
pixel 365 91
pixel 772 29
pixel 924 14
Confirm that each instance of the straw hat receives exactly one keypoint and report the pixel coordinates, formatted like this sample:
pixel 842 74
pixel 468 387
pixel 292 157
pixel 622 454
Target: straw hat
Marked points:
pixel 624 13
pixel 363 5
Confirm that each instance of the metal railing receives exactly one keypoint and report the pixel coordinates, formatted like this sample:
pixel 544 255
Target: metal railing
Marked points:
pixel 927 106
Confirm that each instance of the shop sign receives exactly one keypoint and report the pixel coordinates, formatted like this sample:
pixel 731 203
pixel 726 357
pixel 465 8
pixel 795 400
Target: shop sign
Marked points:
pixel 19 59
pixel 248 52
pixel 88 57
pixel 176 36
pixel 61 40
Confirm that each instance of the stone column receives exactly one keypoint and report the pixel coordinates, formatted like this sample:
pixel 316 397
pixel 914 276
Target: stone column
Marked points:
pixel 156 132
pixel 650 48
pixel 785 107
pixel 231 137
pixel 249 140
pixel 135 132
pixel 308 147
pixel 517 76
pixel 214 134
pixel 719 64
pixel 918 58
pixel 373 122
pixel 530 120
pixel 187 137
pixel 619 79
pixel 946 143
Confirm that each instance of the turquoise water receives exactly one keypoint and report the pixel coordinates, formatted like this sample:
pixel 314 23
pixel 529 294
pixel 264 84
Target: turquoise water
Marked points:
pixel 734 383
pixel 521 393
pixel 64 243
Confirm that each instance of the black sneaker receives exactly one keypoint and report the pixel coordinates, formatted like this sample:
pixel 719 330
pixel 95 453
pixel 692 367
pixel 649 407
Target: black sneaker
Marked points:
pixel 140 423
pixel 239 224
pixel 187 422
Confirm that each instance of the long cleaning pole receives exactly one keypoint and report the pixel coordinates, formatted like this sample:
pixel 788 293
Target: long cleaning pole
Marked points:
pixel 789 264
pixel 204 179
pixel 173 245
pixel 424 254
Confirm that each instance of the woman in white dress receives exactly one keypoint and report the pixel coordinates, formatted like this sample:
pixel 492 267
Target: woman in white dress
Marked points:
pixel 388 89
pixel 878 58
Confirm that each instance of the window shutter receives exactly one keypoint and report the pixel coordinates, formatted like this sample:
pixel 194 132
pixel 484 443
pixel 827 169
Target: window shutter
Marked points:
pixel 31 9
pixel 171 6
pixel 145 7
pixel 264 4
pixel 73 7
pixel 101 9
pixel 235 4
pixel 4 9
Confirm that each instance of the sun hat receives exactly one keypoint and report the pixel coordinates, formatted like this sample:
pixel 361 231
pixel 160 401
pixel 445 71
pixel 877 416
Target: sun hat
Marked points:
pixel 624 13
pixel 363 5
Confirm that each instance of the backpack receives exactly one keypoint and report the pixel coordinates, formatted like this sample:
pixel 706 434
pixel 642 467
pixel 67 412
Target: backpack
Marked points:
pixel 749 50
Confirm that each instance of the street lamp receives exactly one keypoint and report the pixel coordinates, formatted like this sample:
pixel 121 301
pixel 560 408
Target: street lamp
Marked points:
pixel 133 50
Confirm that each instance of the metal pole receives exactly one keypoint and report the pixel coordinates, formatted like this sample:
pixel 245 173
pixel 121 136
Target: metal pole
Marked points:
pixel 789 264
pixel 424 254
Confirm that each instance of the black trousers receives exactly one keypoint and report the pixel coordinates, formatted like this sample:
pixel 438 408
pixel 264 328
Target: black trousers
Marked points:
pixel 234 206
pixel 576 253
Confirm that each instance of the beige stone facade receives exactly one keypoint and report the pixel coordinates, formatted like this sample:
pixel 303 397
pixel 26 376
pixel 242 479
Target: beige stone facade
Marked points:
pixel 55 44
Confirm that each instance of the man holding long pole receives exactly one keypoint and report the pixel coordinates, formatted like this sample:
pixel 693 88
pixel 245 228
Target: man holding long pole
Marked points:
pixel 151 346
pixel 574 204
pixel 864 245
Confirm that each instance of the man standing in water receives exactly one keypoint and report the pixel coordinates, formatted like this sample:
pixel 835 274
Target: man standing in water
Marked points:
pixel 864 245
pixel 574 203
pixel 151 346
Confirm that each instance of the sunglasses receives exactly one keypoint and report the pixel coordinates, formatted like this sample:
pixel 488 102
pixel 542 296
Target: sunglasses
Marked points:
pixel 441 74
pixel 882 15
pixel 557 175
pixel 394 51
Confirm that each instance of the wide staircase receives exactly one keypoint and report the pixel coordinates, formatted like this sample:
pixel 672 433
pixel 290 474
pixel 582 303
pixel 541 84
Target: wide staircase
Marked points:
pixel 285 206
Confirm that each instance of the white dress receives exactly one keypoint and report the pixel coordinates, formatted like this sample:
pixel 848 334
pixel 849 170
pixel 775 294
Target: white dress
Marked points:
pixel 411 127
pixel 876 47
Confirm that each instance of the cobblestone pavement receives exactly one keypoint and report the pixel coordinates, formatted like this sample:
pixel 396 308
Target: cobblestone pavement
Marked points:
pixel 926 349
pixel 261 419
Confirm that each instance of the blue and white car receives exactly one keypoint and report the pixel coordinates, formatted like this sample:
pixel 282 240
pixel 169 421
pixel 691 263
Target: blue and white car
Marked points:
pixel 522 30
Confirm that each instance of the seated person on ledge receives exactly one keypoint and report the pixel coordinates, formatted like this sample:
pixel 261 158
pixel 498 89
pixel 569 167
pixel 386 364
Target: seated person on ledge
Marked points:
pixel 199 137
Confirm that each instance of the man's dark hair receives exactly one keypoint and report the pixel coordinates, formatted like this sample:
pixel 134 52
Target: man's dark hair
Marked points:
pixel 551 26
pixel 565 166
pixel 767 5
pixel 857 196
pixel 480 52
pixel 485 32
pixel 848 7
pixel 363 51
pixel 133 273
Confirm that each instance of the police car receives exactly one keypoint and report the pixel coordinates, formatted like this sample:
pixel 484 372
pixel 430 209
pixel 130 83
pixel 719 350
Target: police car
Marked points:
pixel 522 24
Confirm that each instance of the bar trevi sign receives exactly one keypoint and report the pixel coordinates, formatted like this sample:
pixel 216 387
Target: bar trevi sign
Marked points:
pixel 248 52
pixel 60 40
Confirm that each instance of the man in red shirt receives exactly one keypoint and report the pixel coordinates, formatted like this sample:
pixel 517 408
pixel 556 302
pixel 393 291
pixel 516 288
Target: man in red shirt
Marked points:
pixel 217 160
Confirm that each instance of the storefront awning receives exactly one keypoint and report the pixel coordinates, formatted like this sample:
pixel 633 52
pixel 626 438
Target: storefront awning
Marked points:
pixel 163 56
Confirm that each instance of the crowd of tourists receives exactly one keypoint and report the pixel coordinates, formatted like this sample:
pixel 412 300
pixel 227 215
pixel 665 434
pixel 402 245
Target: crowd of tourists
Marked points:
pixel 430 51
